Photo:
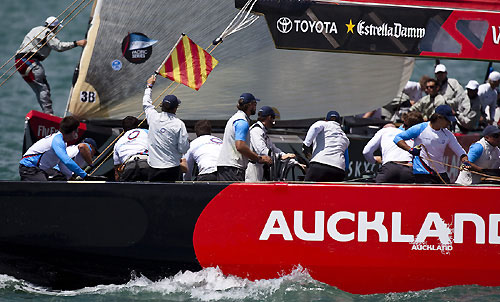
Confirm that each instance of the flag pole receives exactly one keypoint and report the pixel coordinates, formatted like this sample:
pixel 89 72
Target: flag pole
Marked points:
pixel 168 56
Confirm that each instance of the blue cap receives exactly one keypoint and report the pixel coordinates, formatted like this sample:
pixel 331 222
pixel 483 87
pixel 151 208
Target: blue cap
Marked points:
pixel 331 114
pixel 490 130
pixel 266 111
pixel 446 111
pixel 92 143
pixel 170 101
pixel 247 98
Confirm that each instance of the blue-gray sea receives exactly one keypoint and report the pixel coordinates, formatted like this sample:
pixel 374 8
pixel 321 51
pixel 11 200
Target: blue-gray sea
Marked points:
pixel 17 99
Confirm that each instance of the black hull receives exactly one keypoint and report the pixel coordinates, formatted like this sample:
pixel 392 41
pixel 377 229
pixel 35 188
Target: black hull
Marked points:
pixel 72 235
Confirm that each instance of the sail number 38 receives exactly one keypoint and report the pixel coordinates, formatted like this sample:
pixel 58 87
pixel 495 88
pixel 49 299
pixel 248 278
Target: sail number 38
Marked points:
pixel 87 96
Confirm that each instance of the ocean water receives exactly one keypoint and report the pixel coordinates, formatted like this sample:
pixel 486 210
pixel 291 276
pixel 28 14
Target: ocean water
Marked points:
pixel 211 285
pixel 17 99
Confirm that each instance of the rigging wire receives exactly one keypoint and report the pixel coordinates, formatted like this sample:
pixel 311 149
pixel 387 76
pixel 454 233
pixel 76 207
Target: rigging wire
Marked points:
pixel 51 31
pixel 241 21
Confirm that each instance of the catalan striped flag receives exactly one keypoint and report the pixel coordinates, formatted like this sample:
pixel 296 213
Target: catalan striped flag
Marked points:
pixel 188 64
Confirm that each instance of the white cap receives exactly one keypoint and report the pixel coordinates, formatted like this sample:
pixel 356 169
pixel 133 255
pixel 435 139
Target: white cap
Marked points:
pixel 494 76
pixel 440 68
pixel 52 22
pixel 473 85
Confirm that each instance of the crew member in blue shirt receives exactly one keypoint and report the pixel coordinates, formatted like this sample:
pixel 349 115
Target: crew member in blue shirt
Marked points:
pixel 48 152
pixel 235 151
pixel 430 141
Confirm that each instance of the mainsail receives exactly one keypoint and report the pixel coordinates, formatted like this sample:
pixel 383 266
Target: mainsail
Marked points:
pixel 111 78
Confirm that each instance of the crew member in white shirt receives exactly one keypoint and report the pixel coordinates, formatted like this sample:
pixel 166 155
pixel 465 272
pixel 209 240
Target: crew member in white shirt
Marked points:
pixel 488 95
pixel 483 155
pixel 36 47
pixel 167 137
pixel 130 154
pixel 262 144
pixel 396 163
pixel 203 152
pixel 435 137
pixel 330 156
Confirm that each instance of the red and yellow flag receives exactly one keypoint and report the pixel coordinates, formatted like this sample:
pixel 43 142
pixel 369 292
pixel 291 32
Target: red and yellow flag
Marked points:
pixel 188 64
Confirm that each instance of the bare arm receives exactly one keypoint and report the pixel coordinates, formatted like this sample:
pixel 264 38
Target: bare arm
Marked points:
pixel 244 149
pixel 85 152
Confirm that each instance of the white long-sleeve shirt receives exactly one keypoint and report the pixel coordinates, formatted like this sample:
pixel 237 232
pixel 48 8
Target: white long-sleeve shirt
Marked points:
pixel 488 97
pixel 204 151
pixel 37 36
pixel 384 139
pixel 134 141
pixel 330 143
pixel 167 137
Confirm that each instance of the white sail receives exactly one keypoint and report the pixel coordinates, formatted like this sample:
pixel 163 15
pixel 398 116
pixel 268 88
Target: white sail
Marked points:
pixel 301 84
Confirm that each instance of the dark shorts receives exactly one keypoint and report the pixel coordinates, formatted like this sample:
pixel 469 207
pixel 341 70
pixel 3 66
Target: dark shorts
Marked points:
pixel 32 173
pixel 166 175
pixel 392 172
pixel 324 173
pixel 431 178
pixel 135 170
pixel 225 173
pixel 207 177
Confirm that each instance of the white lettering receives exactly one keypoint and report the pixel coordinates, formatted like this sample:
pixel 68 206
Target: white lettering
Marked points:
pixel 332 226
pixel 459 227
pixel 376 225
pixel 396 230
pixel 282 229
pixel 494 238
pixel 319 229
pixel 496 38
pixel 442 231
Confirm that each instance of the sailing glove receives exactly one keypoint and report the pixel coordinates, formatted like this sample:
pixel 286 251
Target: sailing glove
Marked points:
pixel 415 151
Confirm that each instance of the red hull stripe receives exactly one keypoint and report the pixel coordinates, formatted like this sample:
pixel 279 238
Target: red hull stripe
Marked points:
pixel 362 239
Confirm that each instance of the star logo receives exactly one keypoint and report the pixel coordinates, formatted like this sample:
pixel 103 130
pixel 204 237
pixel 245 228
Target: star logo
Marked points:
pixel 350 26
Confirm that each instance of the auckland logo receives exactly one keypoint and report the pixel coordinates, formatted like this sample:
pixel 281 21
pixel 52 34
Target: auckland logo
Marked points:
pixel 284 25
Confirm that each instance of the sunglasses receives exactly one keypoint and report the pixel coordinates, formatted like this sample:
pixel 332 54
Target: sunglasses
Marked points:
pixel 496 135
pixel 431 87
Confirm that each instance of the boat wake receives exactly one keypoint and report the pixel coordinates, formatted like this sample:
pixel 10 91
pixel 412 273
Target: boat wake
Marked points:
pixel 211 284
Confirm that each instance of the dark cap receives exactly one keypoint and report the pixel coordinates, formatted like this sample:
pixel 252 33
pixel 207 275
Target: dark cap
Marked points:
pixel 445 110
pixel 247 98
pixel 490 130
pixel 170 101
pixel 331 114
pixel 266 111
pixel 92 142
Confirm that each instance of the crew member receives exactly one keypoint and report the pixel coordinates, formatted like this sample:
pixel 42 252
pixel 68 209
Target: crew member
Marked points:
pixel 449 88
pixel 488 95
pixel 262 144
pixel 203 152
pixel 167 137
pixel 36 47
pixel 428 103
pixel 430 141
pixel 82 154
pixel 330 156
pixel 236 152
pixel 483 154
pixel 48 152
pixel 396 163
pixel 467 107
pixel 130 154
